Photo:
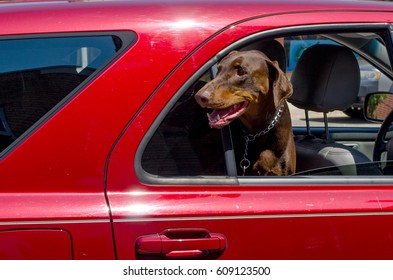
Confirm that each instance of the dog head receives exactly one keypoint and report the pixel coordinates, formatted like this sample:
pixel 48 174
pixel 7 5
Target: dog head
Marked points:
pixel 246 82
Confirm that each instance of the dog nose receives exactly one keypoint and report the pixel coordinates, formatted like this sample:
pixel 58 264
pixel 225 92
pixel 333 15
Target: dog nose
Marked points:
pixel 203 97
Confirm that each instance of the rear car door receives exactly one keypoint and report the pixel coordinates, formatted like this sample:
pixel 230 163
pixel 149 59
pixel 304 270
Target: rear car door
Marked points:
pixel 51 163
pixel 173 193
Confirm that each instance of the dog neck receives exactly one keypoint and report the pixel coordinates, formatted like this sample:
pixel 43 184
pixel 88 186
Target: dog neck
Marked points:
pixel 248 138
pixel 258 116
pixel 273 121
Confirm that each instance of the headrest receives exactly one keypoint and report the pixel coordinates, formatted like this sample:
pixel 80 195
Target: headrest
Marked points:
pixel 326 78
pixel 273 50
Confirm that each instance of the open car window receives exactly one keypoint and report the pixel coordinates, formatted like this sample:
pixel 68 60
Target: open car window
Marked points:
pixel 184 145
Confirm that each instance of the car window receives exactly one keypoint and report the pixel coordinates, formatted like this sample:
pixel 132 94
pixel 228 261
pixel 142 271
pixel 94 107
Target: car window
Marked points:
pixel 339 142
pixel 37 73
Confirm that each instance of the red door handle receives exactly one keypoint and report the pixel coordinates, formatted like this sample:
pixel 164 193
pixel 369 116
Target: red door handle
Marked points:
pixel 181 243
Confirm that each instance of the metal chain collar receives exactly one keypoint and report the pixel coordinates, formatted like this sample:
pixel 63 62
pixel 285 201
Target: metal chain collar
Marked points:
pixel 245 163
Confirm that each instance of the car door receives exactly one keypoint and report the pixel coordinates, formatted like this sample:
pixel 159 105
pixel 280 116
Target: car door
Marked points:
pixel 52 199
pixel 172 196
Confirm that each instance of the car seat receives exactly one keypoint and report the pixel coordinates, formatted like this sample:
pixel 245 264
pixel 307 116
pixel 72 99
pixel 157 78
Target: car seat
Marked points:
pixel 272 49
pixel 326 78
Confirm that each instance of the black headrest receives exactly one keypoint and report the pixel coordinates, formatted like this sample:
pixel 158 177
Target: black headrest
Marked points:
pixel 273 50
pixel 326 78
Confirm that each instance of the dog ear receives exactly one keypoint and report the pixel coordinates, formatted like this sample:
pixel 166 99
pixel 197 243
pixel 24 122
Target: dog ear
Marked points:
pixel 282 87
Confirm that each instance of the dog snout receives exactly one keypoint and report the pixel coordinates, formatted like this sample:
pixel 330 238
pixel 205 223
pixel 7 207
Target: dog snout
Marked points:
pixel 203 97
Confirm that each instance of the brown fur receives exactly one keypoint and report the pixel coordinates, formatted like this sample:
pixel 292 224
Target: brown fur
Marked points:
pixel 250 76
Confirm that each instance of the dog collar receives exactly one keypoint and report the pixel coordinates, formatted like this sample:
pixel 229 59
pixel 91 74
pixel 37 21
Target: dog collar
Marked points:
pixel 245 163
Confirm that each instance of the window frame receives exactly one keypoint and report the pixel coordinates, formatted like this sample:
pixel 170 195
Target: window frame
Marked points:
pixel 143 176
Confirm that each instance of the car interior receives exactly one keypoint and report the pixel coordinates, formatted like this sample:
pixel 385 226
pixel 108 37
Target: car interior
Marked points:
pixel 315 90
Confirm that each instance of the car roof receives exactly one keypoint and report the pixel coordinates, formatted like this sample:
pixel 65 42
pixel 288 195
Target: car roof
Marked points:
pixel 91 15
pixel 270 6
pixel 286 5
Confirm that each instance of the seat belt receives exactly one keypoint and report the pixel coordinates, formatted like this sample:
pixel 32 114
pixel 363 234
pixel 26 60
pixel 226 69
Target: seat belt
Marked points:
pixel 229 153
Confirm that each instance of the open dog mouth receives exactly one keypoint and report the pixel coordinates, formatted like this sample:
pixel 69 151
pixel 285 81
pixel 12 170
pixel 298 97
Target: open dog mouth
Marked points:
pixel 222 117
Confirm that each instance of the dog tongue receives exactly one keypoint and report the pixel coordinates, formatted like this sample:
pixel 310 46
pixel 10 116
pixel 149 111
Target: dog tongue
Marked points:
pixel 218 118
pixel 222 117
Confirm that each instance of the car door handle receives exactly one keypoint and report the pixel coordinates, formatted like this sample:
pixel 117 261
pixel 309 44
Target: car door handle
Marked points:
pixel 181 243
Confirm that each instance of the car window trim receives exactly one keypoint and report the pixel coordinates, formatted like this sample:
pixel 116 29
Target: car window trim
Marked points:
pixel 315 181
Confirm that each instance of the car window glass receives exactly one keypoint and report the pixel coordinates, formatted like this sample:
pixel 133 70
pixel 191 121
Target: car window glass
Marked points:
pixel 37 73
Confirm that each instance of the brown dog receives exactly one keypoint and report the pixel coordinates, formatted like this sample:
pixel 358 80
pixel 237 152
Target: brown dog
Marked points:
pixel 250 87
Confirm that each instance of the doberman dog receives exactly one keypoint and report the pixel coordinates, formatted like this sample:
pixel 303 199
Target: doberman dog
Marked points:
pixel 252 88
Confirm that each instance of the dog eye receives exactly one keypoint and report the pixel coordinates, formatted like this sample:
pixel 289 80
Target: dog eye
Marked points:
pixel 240 71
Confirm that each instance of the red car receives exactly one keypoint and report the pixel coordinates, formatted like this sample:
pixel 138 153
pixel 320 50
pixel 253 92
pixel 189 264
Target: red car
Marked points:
pixel 105 153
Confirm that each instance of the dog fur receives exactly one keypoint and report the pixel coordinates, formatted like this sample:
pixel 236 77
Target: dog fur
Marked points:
pixel 251 88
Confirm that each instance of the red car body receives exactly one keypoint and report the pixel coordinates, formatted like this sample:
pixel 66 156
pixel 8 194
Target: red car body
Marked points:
pixel 70 188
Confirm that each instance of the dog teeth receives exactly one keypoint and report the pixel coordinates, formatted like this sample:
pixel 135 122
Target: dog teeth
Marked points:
pixel 214 117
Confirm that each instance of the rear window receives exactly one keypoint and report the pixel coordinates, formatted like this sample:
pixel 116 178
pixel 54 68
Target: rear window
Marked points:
pixel 38 73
